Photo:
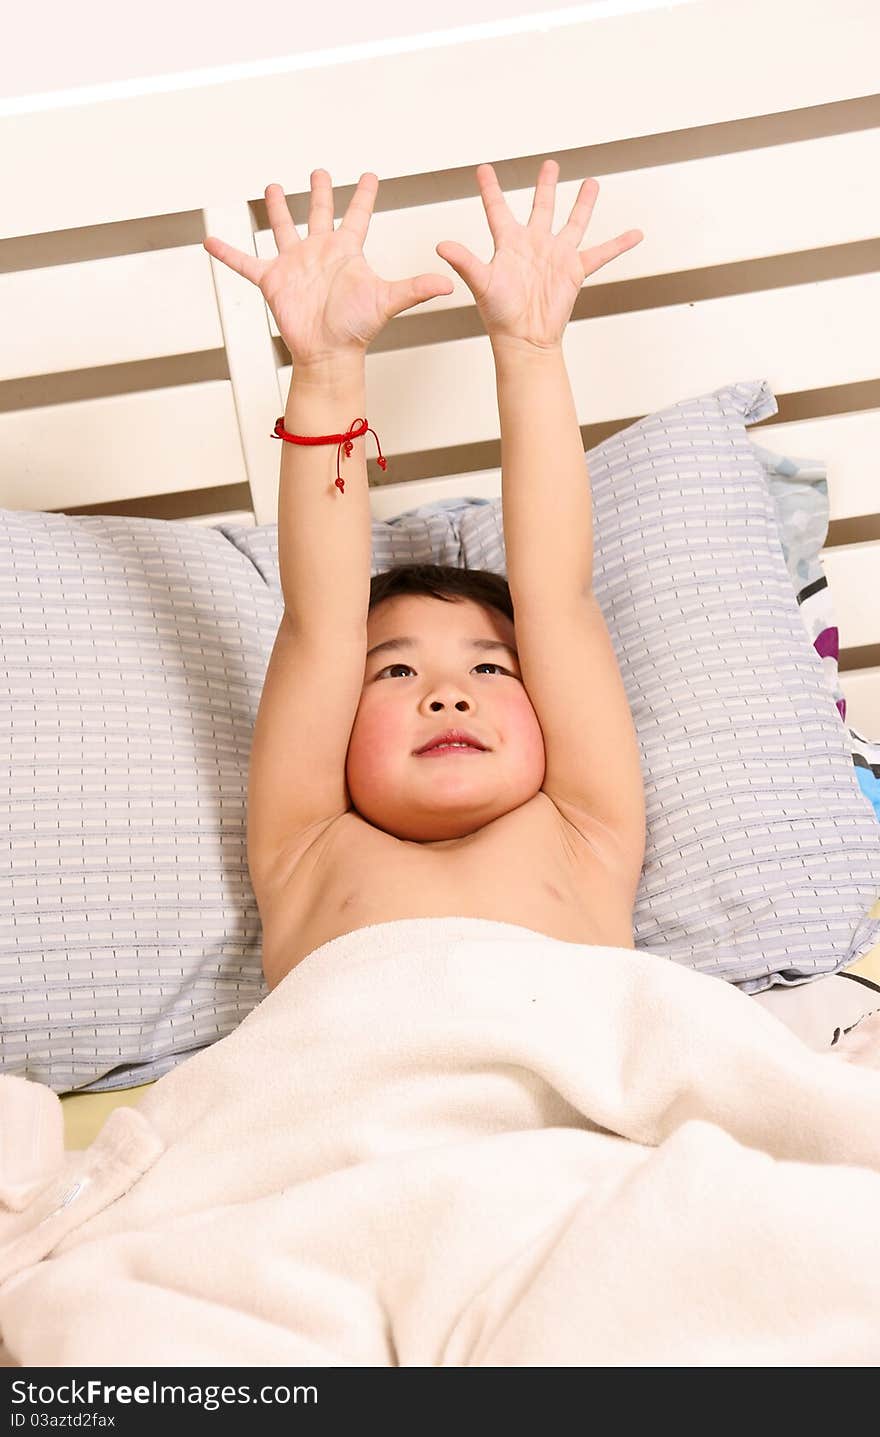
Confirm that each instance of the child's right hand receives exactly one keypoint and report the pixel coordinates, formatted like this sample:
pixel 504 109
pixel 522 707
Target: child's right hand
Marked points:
pixel 325 298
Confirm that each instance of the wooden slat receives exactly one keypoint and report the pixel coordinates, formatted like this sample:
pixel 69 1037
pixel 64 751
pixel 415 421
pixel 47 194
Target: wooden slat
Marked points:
pixel 245 517
pixel 620 365
pixel 853 573
pixel 799 338
pixel 108 311
pixel 75 316
pixel 389 500
pixel 599 79
pixel 112 449
pixel 251 358
pixel 847 444
pixel 722 209
pixel 861 689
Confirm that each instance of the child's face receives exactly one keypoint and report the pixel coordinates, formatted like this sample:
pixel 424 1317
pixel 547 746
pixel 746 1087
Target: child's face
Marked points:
pixel 411 694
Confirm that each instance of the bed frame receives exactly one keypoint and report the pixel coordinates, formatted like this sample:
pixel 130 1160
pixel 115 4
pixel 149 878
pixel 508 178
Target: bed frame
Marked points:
pixel 139 376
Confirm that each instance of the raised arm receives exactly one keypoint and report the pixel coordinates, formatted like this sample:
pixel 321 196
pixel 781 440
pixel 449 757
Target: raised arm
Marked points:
pixel 593 767
pixel 313 682
pixel 569 667
pixel 329 305
pixel 546 501
pixel 324 535
pixel 525 297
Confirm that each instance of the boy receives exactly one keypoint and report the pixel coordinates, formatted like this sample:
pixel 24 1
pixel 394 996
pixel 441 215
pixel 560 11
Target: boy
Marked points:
pixel 540 820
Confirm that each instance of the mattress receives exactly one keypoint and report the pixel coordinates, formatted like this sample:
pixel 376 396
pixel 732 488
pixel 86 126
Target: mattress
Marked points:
pixel 84 1113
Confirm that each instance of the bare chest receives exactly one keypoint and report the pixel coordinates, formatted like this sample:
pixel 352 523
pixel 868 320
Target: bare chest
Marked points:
pixel 529 867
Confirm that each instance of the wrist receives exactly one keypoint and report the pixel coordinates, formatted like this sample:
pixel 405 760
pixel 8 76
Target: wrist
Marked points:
pixel 343 366
pixel 504 344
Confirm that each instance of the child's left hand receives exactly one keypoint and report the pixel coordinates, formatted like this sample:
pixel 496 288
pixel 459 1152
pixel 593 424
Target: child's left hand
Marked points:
pixel 528 291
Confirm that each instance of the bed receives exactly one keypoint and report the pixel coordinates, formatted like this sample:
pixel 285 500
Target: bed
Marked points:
pixel 141 381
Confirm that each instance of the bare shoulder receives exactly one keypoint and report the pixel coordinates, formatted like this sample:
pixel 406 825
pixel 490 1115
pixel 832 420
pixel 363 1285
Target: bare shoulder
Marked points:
pixel 348 850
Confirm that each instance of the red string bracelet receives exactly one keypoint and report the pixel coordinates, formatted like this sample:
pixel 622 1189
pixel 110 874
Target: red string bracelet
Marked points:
pixel 358 427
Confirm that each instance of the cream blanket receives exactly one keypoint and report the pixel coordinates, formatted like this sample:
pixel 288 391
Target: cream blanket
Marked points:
pixel 454 1142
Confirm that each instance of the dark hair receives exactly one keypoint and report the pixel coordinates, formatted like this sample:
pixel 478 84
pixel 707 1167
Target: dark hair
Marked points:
pixel 443 581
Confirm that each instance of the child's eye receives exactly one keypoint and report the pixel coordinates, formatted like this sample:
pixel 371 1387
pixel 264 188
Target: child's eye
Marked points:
pixel 389 668
pixel 486 665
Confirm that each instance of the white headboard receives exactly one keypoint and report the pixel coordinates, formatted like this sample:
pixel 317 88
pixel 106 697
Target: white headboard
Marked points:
pixel 139 376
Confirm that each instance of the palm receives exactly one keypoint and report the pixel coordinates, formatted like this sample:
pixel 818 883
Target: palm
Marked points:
pixel 529 288
pixel 532 286
pixel 326 294
pixel 323 294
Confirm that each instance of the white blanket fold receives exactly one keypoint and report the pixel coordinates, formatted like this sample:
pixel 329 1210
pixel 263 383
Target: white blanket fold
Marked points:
pixel 455 1142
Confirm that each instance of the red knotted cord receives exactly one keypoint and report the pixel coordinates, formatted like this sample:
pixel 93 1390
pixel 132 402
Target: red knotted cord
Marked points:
pixel 358 427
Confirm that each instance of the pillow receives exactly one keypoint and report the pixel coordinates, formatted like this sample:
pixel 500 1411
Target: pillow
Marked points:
pixel 762 852
pixel 132 658
pixel 800 495
pixel 866 757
